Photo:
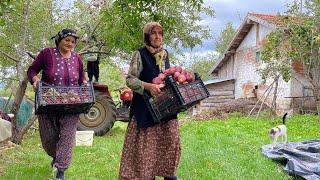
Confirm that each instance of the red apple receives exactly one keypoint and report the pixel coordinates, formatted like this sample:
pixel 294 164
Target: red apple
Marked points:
pixel 72 99
pixel 157 80
pixel 176 75
pixel 172 70
pixel 77 99
pixel 182 78
pixel 64 100
pixel 189 77
pixel 167 71
pixel 183 72
pixel 179 69
pixel 162 76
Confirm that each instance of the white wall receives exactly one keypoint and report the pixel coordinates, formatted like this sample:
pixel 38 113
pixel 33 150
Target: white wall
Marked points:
pixel 246 66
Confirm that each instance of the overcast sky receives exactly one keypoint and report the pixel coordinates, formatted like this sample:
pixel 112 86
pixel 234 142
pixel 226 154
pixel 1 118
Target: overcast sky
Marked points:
pixel 235 11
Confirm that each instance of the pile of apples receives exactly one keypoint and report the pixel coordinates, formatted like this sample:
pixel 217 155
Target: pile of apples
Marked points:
pixel 52 96
pixel 180 75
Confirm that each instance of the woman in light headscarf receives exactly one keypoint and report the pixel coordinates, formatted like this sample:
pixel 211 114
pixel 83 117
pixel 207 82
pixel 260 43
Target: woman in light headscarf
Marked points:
pixel 150 149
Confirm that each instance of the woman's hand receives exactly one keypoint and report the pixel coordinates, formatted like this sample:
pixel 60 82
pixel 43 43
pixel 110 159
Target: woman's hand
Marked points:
pixel 85 83
pixel 35 80
pixel 154 89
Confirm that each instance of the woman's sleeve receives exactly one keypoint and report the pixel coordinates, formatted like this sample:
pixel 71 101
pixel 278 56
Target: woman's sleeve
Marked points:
pixel 132 79
pixel 36 66
pixel 81 71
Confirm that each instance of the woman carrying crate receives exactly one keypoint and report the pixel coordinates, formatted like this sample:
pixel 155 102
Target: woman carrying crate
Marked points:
pixel 150 149
pixel 60 66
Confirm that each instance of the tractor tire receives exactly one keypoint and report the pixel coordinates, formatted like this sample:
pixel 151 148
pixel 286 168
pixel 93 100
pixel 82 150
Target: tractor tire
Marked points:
pixel 100 117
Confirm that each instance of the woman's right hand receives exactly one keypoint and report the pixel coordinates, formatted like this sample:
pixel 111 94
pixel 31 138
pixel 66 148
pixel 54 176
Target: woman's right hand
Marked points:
pixel 35 80
pixel 35 86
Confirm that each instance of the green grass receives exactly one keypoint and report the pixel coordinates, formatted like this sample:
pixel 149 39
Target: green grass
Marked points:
pixel 216 149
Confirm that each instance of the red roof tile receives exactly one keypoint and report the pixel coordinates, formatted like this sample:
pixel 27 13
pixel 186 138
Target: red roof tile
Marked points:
pixel 271 18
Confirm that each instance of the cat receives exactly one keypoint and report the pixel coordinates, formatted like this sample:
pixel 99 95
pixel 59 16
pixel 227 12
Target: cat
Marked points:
pixel 276 132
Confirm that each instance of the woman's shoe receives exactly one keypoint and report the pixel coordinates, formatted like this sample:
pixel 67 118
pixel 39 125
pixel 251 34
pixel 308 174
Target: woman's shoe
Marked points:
pixel 58 174
pixel 171 178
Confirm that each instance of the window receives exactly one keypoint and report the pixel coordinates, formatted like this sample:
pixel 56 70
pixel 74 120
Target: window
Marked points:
pixel 258 56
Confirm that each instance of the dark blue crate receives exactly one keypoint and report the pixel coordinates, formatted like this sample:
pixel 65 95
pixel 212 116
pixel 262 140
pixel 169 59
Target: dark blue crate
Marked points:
pixel 175 98
pixel 64 99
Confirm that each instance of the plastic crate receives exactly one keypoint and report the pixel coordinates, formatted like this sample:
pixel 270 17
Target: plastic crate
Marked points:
pixel 176 98
pixel 64 99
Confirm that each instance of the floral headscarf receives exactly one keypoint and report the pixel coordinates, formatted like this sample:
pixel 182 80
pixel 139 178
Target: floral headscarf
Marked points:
pixel 158 53
pixel 63 34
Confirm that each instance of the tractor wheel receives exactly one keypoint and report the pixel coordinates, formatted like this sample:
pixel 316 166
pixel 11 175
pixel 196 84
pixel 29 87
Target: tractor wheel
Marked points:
pixel 100 117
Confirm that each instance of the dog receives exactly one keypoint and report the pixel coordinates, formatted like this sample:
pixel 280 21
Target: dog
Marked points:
pixel 276 132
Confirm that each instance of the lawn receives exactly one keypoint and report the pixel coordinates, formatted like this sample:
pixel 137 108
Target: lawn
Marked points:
pixel 214 149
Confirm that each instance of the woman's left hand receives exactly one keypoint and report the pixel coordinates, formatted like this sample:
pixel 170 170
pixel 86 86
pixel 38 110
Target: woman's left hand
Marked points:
pixel 154 89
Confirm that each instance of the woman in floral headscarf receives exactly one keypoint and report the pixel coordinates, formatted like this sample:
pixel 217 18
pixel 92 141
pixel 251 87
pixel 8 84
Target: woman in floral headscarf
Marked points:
pixel 150 149
pixel 60 66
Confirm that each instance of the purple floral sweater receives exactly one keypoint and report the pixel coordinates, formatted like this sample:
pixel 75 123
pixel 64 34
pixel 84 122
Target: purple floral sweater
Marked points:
pixel 48 62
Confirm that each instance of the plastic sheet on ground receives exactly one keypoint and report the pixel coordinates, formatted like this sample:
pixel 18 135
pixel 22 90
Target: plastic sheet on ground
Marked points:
pixel 302 158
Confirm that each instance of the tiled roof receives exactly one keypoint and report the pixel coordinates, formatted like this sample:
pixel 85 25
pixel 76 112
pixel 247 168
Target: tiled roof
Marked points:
pixel 268 20
pixel 271 18
pixel 267 17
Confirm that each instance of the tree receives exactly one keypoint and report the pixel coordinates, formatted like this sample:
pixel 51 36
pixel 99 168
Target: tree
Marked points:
pixel 5 6
pixel 275 63
pixel 117 25
pixel 125 19
pixel 203 64
pixel 225 37
pixel 297 39
pixel 20 32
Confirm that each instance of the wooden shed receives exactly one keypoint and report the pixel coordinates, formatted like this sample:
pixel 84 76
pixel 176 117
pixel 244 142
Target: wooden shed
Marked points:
pixel 221 90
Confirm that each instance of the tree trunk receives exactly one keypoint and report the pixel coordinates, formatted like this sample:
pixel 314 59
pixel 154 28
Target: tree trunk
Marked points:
pixel 273 111
pixel 315 90
pixel 318 107
pixel 16 135
pixel 316 98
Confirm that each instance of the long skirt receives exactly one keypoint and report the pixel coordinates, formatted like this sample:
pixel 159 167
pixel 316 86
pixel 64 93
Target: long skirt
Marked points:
pixel 149 152
pixel 57 135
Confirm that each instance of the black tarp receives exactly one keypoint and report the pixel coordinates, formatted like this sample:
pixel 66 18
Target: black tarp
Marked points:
pixel 301 158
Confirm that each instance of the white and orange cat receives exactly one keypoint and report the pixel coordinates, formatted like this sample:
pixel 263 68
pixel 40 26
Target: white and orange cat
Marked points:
pixel 279 131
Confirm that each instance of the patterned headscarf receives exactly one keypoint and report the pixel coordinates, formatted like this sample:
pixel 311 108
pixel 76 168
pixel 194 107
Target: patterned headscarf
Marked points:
pixel 63 34
pixel 159 53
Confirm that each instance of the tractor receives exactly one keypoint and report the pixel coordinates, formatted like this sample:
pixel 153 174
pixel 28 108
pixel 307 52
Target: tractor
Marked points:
pixel 105 112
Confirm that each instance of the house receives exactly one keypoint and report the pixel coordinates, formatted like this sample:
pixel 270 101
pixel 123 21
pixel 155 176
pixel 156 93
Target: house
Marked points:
pixel 235 74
